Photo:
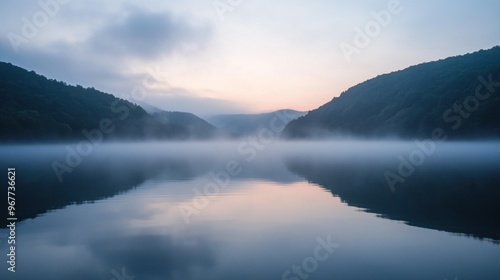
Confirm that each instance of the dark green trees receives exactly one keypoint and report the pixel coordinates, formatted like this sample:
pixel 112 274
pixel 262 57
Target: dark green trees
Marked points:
pixel 413 102
pixel 34 108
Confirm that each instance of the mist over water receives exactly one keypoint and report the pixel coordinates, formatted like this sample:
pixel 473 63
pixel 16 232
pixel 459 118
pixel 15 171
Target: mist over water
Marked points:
pixel 251 210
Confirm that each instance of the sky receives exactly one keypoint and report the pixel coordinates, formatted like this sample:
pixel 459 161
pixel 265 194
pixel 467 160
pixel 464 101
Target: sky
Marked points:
pixel 237 56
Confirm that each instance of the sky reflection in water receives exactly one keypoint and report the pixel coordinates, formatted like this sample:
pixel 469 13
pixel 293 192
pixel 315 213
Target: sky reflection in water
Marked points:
pixel 268 219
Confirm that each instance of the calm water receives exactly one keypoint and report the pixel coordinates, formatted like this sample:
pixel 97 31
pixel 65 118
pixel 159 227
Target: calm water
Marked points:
pixel 279 211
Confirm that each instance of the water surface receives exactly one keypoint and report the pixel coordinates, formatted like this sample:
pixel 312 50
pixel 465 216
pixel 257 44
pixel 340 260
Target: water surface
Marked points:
pixel 155 211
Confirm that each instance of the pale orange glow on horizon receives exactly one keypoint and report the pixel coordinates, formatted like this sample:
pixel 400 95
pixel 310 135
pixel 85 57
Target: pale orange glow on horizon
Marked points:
pixel 263 57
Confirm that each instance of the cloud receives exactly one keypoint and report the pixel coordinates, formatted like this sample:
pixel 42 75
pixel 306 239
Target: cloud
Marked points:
pixel 109 76
pixel 147 35
pixel 154 257
pixel 60 63
pixel 107 58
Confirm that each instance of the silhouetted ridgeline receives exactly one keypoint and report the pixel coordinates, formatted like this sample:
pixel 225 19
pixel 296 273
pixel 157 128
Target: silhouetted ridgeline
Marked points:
pixel 458 94
pixel 35 108
pixel 241 125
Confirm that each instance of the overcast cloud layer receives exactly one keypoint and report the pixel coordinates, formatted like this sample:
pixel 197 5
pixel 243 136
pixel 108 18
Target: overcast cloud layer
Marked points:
pixel 210 57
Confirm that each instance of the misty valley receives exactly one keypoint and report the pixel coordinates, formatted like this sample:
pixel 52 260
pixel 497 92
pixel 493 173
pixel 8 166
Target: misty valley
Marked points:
pixel 265 159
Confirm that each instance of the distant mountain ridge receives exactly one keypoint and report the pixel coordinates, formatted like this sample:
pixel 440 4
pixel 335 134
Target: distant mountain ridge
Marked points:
pixel 460 94
pixel 240 125
pixel 194 125
pixel 35 108
pixel 191 125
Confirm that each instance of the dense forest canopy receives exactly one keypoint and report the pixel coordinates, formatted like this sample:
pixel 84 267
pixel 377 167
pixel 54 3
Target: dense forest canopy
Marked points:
pixel 460 95
pixel 35 108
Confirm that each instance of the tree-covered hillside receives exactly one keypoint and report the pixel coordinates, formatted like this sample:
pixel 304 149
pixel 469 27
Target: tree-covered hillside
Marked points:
pixel 460 95
pixel 34 108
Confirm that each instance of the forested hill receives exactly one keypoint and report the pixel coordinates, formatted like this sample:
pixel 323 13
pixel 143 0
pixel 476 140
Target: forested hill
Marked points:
pixel 34 108
pixel 460 95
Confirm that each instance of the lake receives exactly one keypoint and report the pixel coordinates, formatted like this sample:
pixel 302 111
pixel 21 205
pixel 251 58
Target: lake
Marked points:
pixel 243 210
